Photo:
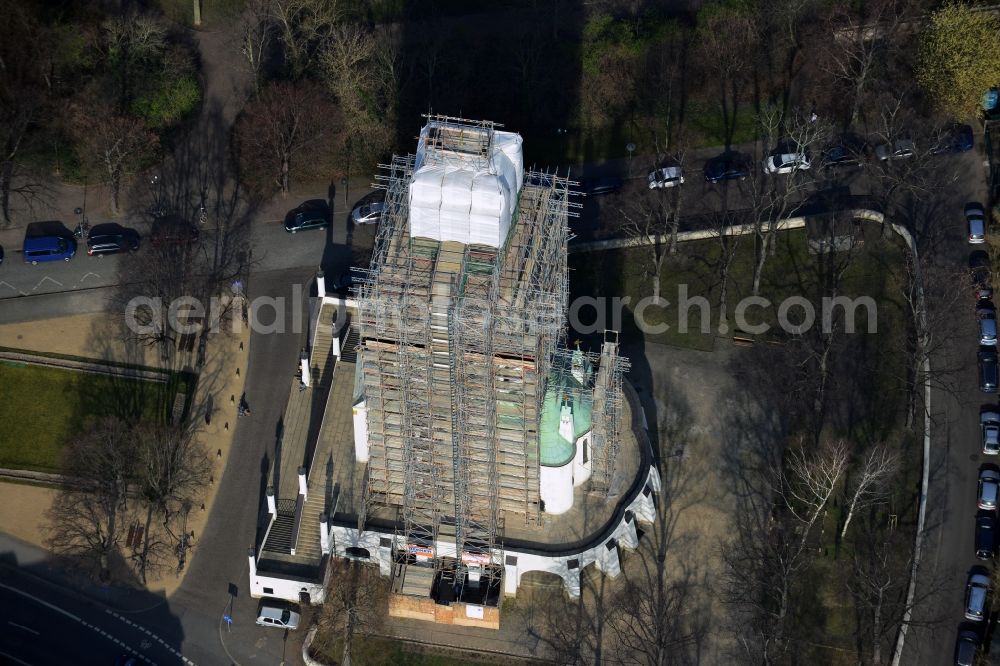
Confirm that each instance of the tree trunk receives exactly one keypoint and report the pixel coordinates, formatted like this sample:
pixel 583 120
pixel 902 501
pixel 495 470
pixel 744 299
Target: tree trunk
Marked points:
pixel 758 269
pixel 345 657
pixel 143 558
pixel 284 174
pixel 6 174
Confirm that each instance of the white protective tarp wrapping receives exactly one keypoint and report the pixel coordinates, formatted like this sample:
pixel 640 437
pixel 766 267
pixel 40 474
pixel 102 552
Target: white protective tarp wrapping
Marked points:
pixel 451 199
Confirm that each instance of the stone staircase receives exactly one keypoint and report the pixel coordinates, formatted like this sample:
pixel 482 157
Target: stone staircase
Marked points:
pixel 321 360
pixel 308 544
pixel 349 348
pixel 279 539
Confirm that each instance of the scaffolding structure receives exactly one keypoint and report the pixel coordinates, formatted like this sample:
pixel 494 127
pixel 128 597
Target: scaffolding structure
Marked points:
pixel 457 342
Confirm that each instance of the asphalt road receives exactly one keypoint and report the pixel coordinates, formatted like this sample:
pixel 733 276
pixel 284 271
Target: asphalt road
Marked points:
pixel 956 453
pixel 41 626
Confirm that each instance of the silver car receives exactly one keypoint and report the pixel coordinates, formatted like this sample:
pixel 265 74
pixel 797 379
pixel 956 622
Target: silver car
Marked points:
pixel 369 213
pixel 901 149
pixel 989 489
pixel 975 218
pixel 669 176
pixel 990 423
pixel 976 595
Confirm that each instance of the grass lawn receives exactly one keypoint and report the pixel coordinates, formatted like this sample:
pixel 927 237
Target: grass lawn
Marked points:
pixel 42 407
pixel 386 652
pixel 694 271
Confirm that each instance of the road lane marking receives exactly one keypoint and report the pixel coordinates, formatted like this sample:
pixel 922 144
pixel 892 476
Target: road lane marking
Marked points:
pixel 13 658
pixel 75 618
pixel 23 628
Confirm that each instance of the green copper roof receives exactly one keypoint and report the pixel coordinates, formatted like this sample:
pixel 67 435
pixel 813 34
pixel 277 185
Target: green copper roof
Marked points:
pixel 563 390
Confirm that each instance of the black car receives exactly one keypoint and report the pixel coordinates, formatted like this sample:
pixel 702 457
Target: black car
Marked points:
pixel 602 185
pixel 111 238
pixel 730 165
pixel 988 378
pixel 986 535
pixel 956 139
pixel 1 254
pixel 966 646
pixel 849 150
pixel 313 214
pixel 344 283
pixel 979 269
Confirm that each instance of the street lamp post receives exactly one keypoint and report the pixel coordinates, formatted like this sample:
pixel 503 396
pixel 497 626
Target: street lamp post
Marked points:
pixel 631 149
pixel 343 185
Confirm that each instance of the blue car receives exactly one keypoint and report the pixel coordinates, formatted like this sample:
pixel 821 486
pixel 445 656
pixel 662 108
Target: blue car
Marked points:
pixel 730 165
pixel 48 248
pixel 957 139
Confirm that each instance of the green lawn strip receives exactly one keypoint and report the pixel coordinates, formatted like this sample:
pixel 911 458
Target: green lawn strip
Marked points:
pixel 792 271
pixel 83 359
pixel 42 407
pixel 372 651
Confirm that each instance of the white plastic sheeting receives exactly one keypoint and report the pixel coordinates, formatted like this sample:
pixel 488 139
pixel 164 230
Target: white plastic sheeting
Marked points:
pixel 454 197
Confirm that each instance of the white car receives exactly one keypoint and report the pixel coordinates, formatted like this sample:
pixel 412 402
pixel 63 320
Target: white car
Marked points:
pixel 369 213
pixel 670 176
pixel 272 616
pixel 975 218
pixel 902 149
pixel 786 163
pixel 990 423
pixel 989 489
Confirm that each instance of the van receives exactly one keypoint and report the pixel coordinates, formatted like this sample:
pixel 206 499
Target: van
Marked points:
pixel 48 248
pixel 272 616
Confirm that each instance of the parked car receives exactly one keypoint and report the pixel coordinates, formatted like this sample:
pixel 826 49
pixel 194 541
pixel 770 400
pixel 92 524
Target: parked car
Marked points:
pixel 368 213
pixel 986 534
pixel 730 165
pixel 786 163
pixel 172 230
pixel 979 269
pixel 989 424
pixel 989 489
pixel 899 150
pixel 273 616
pixel 313 214
pixel 49 247
pixel 987 315
pixel 850 150
pixel 344 282
pixel 966 647
pixel 111 238
pixel 975 218
pixel 602 185
pixel 984 294
pixel 956 139
pixel 129 660
pixel 977 593
pixel 1 254
pixel 988 379
pixel 668 176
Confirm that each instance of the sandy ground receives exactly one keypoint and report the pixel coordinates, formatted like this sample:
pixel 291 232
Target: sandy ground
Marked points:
pixel 23 507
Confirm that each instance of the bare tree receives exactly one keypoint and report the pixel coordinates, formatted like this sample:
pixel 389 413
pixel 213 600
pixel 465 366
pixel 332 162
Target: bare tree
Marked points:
pixel 86 522
pixel 173 469
pixel 862 37
pixel 870 482
pixel 285 132
pixel 772 197
pixel 256 38
pixel 354 606
pixel 359 69
pixel 727 35
pixel 304 27
pixel 650 219
pixel 115 145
